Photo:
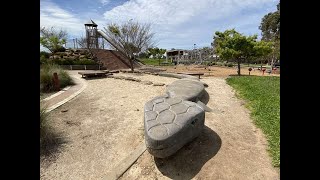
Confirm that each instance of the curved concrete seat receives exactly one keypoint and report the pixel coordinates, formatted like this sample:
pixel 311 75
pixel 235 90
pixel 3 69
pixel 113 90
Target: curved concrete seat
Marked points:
pixel 174 119
pixel 170 123
pixel 179 76
pixel 186 89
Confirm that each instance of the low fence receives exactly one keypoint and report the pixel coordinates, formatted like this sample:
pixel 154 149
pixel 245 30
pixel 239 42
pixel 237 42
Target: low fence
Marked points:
pixel 83 67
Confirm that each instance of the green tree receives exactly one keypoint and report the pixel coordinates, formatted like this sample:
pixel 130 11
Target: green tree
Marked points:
pixel 130 38
pixel 270 30
pixel 270 25
pixel 153 52
pixel 156 52
pixel 53 39
pixel 262 50
pixel 231 45
pixel 161 52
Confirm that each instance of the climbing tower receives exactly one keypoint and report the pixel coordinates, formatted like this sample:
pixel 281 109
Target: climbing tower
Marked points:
pixel 92 35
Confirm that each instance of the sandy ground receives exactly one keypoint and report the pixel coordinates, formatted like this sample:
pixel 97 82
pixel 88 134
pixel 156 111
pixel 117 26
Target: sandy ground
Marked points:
pixel 104 124
pixel 216 71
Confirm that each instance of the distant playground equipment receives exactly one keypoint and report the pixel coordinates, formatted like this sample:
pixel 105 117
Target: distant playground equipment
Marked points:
pixel 95 43
pixel 194 56
pixel 250 69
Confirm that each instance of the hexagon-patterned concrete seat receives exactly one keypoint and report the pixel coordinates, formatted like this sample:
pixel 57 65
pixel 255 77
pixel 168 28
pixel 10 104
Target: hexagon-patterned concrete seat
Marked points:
pixel 170 123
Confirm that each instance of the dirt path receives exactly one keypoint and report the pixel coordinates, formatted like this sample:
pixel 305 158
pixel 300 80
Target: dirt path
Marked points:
pixel 104 124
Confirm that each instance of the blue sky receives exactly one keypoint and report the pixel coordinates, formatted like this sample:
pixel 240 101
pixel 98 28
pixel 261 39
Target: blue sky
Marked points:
pixel 176 23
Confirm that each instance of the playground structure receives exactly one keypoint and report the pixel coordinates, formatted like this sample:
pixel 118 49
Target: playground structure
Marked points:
pixel 194 56
pixel 94 42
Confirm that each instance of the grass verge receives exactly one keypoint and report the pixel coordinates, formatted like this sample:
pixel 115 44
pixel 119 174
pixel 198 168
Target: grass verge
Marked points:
pixel 263 97
pixel 150 61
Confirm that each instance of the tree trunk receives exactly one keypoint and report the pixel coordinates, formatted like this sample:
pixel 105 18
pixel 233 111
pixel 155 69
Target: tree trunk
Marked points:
pixel 272 61
pixel 131 64
pixel 239 67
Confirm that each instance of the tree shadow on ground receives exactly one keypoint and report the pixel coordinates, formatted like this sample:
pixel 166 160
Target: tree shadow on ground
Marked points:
pixel 188 161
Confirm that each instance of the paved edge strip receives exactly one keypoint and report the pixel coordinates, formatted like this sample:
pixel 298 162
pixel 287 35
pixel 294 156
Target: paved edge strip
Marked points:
pixel 126 163
pixel 56 94
pixel 68 98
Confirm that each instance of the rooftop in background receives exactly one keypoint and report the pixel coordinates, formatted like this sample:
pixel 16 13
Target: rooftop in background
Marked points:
pixel 91 23
pixel 172 50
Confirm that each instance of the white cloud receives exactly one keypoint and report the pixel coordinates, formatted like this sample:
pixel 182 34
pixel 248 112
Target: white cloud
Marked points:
pixel 178 22
pixel 105 2
pixel 53 15
pixel 175 12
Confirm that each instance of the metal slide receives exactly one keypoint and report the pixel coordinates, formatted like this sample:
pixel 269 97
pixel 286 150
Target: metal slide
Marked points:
pixel 107 39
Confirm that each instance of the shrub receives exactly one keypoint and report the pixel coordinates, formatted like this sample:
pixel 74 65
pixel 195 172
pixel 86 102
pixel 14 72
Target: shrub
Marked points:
pixel 230 65
pixel 69 61
pixel 44 54
pixel 65 79
pixel 43 125
pixel 219 63
pixel 43 60
pixel 210 63
pixel 47 137
pixel 87 62
pixel 61 49
pixel 46 77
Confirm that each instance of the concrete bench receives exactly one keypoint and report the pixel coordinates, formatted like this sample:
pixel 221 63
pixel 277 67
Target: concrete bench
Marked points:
pixel 186 89
pixel 87 74
pixel 174 119
pixel 192 73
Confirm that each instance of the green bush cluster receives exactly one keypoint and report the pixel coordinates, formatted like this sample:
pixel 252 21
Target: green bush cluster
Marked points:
pixel 46 77
pixel 68 61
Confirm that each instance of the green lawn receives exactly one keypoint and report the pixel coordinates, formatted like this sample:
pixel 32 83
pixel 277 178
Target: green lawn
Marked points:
pixel 263 97
pixel 150 61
